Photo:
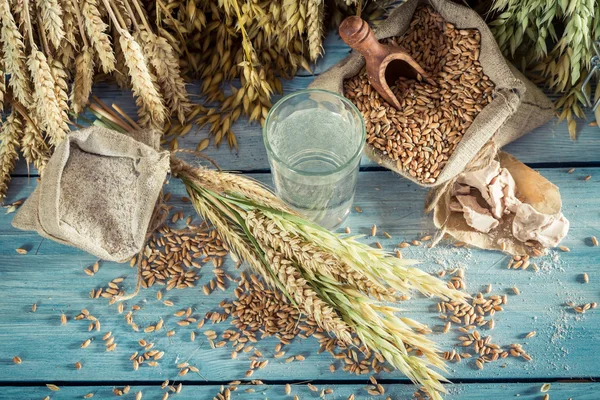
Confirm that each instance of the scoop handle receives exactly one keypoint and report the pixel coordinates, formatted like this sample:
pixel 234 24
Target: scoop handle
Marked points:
pixel 358 35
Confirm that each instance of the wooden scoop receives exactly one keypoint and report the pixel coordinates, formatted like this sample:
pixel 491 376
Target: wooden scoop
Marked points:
pixel 385 64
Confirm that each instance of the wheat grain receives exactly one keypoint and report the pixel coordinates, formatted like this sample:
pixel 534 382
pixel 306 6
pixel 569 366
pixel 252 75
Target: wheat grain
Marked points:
pixel 421 137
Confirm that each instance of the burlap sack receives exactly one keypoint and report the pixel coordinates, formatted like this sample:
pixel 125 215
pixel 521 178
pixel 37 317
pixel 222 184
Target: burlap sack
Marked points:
pixel 517 108
pixel 98 192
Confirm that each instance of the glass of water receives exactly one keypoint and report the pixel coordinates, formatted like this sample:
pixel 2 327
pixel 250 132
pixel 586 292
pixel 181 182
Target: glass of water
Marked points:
pixel 314 140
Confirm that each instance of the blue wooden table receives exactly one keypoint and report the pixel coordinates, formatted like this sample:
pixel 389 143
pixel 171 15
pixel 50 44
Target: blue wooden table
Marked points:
pixel 52 276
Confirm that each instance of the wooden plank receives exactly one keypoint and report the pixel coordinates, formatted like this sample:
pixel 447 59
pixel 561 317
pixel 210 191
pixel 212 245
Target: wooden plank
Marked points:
pixel 549 144
pixel 53 277
pixel 471 391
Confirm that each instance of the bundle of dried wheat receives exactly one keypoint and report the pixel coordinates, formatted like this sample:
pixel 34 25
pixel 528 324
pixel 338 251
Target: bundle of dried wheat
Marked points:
pixel 51 52
pixel 54 50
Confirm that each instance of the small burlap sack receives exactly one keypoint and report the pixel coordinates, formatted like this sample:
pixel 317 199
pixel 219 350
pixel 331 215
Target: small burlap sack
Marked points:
pixel 517 108
pixel 98 192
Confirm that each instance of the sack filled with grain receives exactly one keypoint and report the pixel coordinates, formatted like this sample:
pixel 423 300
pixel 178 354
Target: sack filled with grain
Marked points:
pixel 99 192
pixel 477 97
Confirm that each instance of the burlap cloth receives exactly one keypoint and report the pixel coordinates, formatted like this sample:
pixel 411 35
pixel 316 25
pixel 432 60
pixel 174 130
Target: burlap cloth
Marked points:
pixel 98 192
pixel 517 108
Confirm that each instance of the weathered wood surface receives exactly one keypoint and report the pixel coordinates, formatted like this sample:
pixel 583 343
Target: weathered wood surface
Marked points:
pixel 472 391
pixel 549 144
pixel 52 276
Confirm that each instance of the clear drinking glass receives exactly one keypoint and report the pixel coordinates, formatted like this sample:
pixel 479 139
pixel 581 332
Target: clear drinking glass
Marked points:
pixel 314 140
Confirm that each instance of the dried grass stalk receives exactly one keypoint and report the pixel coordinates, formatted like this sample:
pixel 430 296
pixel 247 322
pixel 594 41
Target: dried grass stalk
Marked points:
pixel 47 105
pixel 96 30
pixel 10 135
pixel 51 15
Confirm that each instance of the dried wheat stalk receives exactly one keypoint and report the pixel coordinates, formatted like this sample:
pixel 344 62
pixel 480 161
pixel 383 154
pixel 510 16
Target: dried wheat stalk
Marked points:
pixel 96 31
pixel 10 135
pixel 315 22
pixel 166 68
pixel 151 108
pixel 52 20
pixel 14 56
pixel 34 148
pixel 47 105
pixel 69 45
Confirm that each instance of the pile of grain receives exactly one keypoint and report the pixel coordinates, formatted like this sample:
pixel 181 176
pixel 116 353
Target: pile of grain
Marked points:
pixel 423 134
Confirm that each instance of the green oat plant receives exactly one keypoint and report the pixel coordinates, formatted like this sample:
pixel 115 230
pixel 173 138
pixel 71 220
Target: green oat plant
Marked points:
pixel 552 40
pixel 345 285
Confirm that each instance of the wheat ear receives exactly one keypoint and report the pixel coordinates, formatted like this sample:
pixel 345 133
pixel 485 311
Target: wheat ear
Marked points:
pixel 151 108
pixel 82 85
pixel 306 298
pixel 96 30
pixel 10 135
pixel 166 67
pixel 13 49
pixel 35 151
pixel 120 72
pixel 47 105
pixel 165 63
pixel 314 27
pixel 50 13
pixel 2 88
pixel 68 46
pixel 84 69
pixel 61 87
